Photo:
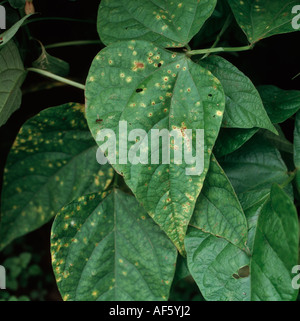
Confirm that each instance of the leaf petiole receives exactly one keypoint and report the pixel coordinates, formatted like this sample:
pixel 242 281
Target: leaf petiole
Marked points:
pixel 219 49
pixel 58 78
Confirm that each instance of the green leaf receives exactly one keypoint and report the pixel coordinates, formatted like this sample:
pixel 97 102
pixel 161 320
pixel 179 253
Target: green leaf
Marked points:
pixel 12 75
pixel 151 88
pixel 218 210
pixel 297 141
pixel 52 64
pixel 52 162
pixel 244 108
pixel 280 104
pixel 17 4
pixel 263 18
pixel 182 270
pixel 276 247
pixel 231 139
pixel 106 248
pixel 212 262
pixel 165 23
pixel 224 272
pixel 7 35
pixel 297 149
pixel 279 141
pixel 253 169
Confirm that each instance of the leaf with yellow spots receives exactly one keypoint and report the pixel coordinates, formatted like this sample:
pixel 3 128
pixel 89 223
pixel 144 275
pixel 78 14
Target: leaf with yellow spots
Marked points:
pixel 12 75
pixel 244 107
pixel 260 19
pixel 167 23
pixel 218 210
pixel 169 92
pixel 52 162
pixel 115 251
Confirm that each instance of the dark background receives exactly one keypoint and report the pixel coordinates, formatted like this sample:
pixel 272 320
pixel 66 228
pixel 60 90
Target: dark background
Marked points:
pixel 275 61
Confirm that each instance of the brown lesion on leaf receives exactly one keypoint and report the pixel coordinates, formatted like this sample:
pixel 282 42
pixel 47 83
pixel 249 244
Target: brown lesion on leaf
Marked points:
pixel 138 65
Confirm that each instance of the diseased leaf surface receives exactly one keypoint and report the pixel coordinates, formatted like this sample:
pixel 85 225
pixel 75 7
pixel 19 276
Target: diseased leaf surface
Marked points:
pixel 105 247
pixel 167 23
pixel 152 88
pixel 244 108
pixel 263 18
pixel 52 161
pixel 12 75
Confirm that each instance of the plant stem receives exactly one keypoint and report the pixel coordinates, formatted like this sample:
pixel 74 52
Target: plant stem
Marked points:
pixel 58 78
pixel 73 43
pixel 59 19
pixel 220 49
pixel 225 26
pixel 296 76
pixel 291 177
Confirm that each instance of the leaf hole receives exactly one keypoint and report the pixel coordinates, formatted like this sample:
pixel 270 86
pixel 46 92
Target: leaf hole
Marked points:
pixel 244 271
pixel 139 90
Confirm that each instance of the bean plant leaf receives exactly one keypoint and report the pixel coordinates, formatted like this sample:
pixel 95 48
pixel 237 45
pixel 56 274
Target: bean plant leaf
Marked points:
pixel 106 248
pixel 280 104
pixel 279 141
pixel 50 63
pixel 164 22
pixel 224 272
pixel 297 149
pixel 7 35
pixel 231 139
pixel 263 18
pixel 150 88
pixel 17 4
pixel 218 210
pixel 52 161
pixel 182 270
pixel 12 75
pixel 244 107
pixel 297 141
pixel 253 169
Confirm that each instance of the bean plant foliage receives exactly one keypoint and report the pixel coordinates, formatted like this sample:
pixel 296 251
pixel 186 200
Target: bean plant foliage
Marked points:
pixel 126 231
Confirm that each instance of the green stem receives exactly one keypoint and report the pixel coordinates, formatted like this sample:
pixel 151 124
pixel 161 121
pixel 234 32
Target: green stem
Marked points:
pixel 225 26
pixel 73 43
pixel 292 175
pixel 220 49
pixel 296 76
pixel 58 19
pixel 58 78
